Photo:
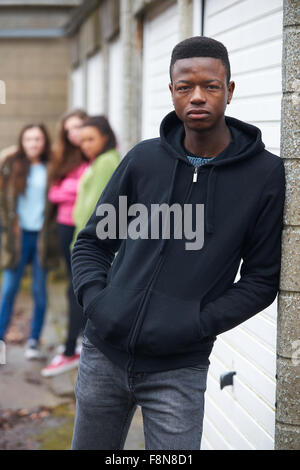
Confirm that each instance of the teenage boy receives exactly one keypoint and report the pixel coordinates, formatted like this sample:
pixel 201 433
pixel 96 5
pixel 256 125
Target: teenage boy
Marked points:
pixel 155 309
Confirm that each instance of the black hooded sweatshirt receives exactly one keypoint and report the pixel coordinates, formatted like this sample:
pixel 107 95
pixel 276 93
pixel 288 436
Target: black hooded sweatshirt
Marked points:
pixel 153 305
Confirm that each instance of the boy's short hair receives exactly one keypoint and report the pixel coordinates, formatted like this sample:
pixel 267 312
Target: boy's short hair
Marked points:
pixel 200 46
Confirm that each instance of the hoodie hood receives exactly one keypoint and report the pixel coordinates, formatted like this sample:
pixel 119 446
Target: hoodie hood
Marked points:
pixel 246 142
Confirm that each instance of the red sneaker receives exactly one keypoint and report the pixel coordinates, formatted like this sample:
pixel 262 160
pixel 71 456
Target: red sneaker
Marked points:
pixel 59 364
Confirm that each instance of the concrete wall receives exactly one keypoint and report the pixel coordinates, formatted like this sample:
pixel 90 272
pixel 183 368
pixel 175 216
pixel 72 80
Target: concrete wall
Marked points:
pixel 287 429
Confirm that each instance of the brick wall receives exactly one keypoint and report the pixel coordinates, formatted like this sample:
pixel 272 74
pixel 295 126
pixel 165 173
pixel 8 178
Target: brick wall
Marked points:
pixel 35 72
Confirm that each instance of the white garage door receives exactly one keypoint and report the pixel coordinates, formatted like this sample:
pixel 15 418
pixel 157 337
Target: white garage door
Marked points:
pixel 95 87
pixel 243 416
pixel 115 87
pixel 77 97
pixel 161 34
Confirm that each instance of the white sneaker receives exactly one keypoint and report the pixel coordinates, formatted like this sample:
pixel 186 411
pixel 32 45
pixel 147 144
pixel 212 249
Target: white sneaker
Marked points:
pixel 32 350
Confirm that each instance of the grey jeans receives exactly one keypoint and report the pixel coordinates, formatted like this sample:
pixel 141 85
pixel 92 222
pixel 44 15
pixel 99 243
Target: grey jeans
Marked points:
pixel 172 404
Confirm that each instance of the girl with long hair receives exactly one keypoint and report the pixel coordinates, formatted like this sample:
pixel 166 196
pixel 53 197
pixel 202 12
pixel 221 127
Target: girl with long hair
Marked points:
pixel 98 143
pixel 68 168
pixel 28 232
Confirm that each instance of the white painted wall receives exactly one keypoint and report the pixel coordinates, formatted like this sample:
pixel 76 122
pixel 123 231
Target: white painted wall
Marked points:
pixel 161 34
pixel 77 87
pixel 243 416
pixel 95 88
pixel 197 15
pixel 252 33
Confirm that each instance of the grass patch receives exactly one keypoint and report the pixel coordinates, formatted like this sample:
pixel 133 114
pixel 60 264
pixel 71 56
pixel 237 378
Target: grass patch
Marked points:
pixel 59 436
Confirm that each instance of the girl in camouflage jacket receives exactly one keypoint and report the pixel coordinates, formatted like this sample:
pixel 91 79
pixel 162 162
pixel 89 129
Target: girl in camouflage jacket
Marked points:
pixel 28 228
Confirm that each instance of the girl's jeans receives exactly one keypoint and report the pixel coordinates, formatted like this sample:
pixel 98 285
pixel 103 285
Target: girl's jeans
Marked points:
pixel 11 279
pixel 172 404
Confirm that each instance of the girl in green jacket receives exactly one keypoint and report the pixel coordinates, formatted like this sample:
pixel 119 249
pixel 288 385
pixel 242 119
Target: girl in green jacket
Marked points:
pixel 98 143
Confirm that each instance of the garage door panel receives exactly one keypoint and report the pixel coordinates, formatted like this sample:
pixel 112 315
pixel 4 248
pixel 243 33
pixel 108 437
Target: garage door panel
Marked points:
pixel 253 377
pixel 263 330
pixel 161 34
pixel 225 426
pixel 212 437
pixel 157 48
pixel 217 6
pixel 242 393
pixel 258 83
pixel 95 91
pixel 266 108
pixel 239 13
pixel 77 78
pixel 264 29
pixel 247 431
pixel 258 57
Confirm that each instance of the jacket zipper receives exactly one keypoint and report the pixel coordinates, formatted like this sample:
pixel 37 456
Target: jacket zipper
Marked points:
pixel 195 175
pixel 139 316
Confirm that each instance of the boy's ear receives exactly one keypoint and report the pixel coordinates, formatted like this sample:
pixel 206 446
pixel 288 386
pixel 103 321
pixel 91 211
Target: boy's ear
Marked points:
pixel 231 87
pixel 171 90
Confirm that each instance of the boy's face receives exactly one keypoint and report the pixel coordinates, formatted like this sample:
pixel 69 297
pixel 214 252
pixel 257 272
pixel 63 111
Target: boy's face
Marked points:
pixel 199 91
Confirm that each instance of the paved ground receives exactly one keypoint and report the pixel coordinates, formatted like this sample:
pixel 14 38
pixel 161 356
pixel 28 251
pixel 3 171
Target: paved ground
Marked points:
pixel 35 412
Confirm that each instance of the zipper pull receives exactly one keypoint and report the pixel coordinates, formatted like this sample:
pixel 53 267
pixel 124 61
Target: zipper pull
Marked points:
pixel 195 175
